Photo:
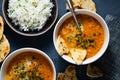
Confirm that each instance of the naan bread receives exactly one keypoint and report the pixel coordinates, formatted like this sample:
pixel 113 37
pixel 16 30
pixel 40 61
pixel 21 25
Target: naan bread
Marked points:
pixel 78 55
pixel 69 74
pixel 1 27
pixel 94 71
pixel 4 48
pixel 70 77
pixel 61 46
pixel 88 4
pixel 83 4
pixel 61 76
pixel 75 3
pixel 70 70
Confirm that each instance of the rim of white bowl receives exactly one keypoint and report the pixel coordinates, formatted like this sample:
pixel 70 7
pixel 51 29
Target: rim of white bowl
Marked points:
pixel 100 20
pixel 18 51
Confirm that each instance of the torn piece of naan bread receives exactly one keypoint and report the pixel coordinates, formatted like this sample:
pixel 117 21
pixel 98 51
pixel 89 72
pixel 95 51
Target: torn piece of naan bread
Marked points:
pixel 63 76
pixel 78 55
pixel 69 74
pixel 61 46
pixel 88 4
pixel 70 70
pixel 1 27
pixel 94 71
pixel 83 4
pixel 4 48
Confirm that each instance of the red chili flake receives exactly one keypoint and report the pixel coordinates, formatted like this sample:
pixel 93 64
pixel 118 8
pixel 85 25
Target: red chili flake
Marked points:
pixel 84 35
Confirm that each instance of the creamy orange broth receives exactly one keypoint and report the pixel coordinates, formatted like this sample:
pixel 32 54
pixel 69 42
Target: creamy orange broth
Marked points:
pixel 29 66
pixel 91 38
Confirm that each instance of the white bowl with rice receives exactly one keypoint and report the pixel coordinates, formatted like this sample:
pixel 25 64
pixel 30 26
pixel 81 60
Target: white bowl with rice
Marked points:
pixel 30 17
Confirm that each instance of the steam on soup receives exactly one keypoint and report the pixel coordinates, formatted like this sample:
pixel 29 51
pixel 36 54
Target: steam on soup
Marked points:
pixel 91 38
pixel 29 66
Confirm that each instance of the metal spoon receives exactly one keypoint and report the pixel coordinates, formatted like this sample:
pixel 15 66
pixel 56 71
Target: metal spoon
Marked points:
pixel 69 3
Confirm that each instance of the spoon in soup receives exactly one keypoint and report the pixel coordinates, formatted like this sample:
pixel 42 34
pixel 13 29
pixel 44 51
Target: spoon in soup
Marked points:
pixel 69 3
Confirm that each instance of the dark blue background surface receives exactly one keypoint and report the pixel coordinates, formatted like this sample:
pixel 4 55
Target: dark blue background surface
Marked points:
pixel 45 42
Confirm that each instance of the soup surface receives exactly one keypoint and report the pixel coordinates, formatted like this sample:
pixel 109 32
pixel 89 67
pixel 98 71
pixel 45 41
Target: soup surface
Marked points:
pixel 29 66
pixel 91 38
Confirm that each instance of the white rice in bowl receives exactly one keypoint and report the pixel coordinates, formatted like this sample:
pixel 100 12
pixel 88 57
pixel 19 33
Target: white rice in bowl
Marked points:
pixel 29 14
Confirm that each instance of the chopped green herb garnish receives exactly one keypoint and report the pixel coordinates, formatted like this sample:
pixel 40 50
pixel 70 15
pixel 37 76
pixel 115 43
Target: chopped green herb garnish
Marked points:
pixel 91 40
pixel 21 73
pixel 78 35
pixel 23 67
pixel 69 39
pixel 26 0
pixel 80 23
pixel 83 41
pixel 84 46
pixel 34 4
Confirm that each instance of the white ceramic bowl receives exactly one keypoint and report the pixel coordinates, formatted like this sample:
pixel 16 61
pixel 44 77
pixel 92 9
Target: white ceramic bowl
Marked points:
pixel 19 51
pixel 100 20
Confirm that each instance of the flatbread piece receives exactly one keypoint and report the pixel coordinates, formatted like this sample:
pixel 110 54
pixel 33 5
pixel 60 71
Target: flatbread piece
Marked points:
pixel 4 48
pixel 61 46
pixel 69 74
pixel 1 27
pixel 94 71
pixel 83 4
pixel 78 55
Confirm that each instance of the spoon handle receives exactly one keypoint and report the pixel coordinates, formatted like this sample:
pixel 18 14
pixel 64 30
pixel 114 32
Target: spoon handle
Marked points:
pixel 69 3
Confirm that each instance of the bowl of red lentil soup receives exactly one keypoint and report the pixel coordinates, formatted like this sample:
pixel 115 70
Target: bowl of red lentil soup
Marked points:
pixel 82 46
pixel 28 64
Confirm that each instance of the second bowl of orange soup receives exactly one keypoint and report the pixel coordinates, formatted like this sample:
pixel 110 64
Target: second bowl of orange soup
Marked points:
pixel 85 45
pixel 28 64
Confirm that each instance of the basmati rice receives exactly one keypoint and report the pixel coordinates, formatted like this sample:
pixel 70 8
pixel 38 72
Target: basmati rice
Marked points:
pixel 30 14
